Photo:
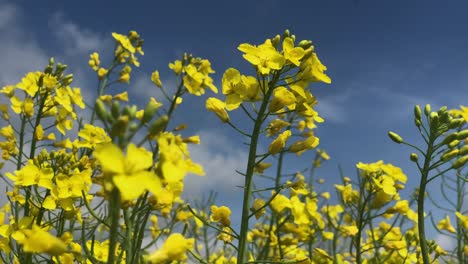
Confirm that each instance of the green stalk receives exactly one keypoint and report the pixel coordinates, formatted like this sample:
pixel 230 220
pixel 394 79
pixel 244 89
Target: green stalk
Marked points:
pixel 460 198
pixel 242 246
pixel 422 191
pixel 114 214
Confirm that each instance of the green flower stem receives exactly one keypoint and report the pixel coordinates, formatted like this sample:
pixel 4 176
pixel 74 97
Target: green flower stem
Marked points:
pixel 196 256
pixel 242 253
pixel 420 199
pixel 128 236
pixel 362 219
pixel 114 214
pixel 31 156
pixel 460 198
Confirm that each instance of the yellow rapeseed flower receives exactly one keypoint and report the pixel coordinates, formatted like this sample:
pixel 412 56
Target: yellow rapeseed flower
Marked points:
pixel 173 249
pixel 279 143
pixel 124 42
pixel 218 107
pixel 130 174
pixel 281 98
pixel 291 53
pixel 445 224
pixel 155 79
pixel 265 57
pixel 463 219
pixel 37 240
pixel 221 215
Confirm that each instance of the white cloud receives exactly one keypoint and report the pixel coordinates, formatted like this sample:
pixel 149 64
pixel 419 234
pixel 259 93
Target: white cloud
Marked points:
pixel 20 52
pixel 143 88
pixel 77 40
pixel 220 158
pixel 332 109
pixel 445 242
pixel 380 103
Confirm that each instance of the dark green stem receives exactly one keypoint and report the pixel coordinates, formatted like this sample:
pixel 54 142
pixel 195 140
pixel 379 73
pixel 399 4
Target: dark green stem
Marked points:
pixel 242 246
pixel 421 194
pixel 114 214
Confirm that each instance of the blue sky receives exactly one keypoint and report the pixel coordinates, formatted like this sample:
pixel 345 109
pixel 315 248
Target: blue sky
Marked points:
pixel 383 57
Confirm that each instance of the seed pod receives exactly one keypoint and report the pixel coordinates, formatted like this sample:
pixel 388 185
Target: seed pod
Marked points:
pixel 414 157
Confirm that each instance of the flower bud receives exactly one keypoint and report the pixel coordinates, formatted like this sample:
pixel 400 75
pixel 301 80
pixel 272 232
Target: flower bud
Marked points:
pixel 451 137
pixel 427 109
pixel 434 118
pixel 445 117
pixel 67 80
pixel 454 143
pixel 414 157
pixel 159 125
pixel 395 137
pixel 442 110
pixel 463 151
pixel 218 107
pixel 130 111
pixel 456 122
pixel 275 41
pixel 48 69
pixel 100 109
pixel 286 34
pixel 180 127
pixel 460 162
pixel 307 53
pixel 449 155
pixel 133 127
pixel 119 127
pixel 462 134
pixel 59 69
pixel 149 112
pixel 115 109
pixel 305 44
pixel 417 112
pixel 417 123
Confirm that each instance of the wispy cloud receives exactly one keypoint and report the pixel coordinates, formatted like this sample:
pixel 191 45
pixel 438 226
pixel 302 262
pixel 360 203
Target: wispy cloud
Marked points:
pixel 220 159
pixel 372 101
pixel 75 39
pixel 20 52
pixel 445 242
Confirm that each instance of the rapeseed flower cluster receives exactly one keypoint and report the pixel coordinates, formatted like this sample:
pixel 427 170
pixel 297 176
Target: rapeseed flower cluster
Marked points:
pixel 107 188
